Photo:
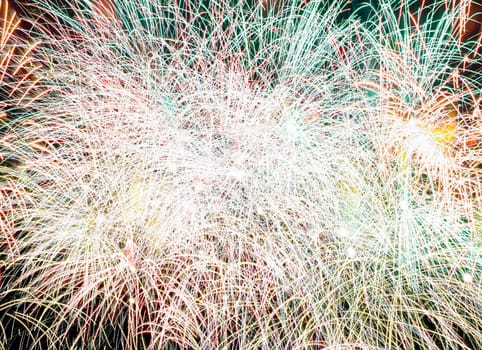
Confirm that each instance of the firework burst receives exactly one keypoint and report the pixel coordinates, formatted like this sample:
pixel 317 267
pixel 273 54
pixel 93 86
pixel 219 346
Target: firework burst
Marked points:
pixel 230 175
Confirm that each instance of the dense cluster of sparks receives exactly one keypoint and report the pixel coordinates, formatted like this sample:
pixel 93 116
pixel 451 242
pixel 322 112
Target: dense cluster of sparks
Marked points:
pixel 237 175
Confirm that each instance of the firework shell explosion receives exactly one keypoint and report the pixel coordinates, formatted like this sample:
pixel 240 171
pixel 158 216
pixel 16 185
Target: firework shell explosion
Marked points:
pixel 239 175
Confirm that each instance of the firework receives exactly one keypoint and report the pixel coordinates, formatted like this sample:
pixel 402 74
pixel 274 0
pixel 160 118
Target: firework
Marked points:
pixel 234 175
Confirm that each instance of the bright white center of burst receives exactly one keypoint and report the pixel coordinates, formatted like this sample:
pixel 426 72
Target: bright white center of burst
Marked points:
pixel 347 233
pixel 171 166
pixel 467 278
pixel 421 141
pixel 291 128
pixel 101 219
pixel 350 252
pixel 132 301
pixel 199 186
pixel 343 232
pixel 237 174
pixel 404 204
